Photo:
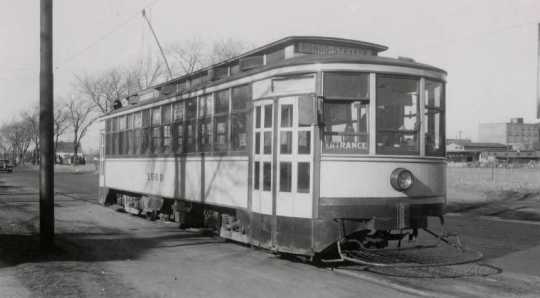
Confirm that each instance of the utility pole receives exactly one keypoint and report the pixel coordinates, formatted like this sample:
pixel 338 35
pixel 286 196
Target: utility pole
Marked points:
pixel 538 74
pixel 158 44
pixel 46 149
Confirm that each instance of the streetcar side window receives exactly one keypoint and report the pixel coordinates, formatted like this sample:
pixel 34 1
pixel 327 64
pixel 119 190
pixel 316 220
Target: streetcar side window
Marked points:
pixel 146 133
pixel 190 128
pixel 178 118
pixel 108 134
pixel 397 116
pixel 221 120
pixel 115 135
pixel 137 132
pixel 129 135
pixel 240 98
pixel 434 118
pixel 206 109
pixel 166 118
pixel 121 135
pixel 156 130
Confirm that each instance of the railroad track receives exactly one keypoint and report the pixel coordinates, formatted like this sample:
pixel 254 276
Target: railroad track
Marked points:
pixel 446 271
pixel 438 260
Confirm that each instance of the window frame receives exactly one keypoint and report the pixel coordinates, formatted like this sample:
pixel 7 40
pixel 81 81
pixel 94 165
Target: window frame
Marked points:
pixel 190 118
pixel 419 118
pixel 166 126
pixel 155 126
pixel 138 133
pixel 243 115
pixel 178 143
pixel 442 121
pixel 218 147
pixel 146 144
pixel 365 101
pixel 205 122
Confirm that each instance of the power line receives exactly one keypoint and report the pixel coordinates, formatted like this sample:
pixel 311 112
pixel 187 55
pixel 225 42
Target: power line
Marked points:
pixel 105 35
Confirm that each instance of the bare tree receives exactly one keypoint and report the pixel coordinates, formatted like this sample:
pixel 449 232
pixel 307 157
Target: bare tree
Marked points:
pixel 80 115
pixel 187 56
pixel 30 120
pixel 146 72
pixel 4 147
pixel 60 122
pixel 103 89
pixel 17 135
pixel 224 49
pixel 190 55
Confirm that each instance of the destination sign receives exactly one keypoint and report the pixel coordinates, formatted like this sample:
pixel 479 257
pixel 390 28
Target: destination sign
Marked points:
pixel 328 50
pixel 346 147
pixel 148 95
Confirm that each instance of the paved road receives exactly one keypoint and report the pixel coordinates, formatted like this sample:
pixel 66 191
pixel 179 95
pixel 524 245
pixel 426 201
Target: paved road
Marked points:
pixel 129 256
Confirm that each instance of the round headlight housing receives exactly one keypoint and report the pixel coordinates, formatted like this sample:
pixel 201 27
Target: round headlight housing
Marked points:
pixel 401 179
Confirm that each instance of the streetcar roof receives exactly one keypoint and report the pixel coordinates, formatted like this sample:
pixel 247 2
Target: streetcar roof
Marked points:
pixel 338 50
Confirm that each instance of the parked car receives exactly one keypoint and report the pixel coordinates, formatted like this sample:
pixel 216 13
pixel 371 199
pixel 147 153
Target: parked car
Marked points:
pixel 5 165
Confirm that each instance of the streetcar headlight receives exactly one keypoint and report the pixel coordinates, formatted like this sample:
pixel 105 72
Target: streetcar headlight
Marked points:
pixel 401 179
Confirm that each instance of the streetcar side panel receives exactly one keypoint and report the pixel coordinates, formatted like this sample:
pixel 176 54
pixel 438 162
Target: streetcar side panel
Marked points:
pixel 224 183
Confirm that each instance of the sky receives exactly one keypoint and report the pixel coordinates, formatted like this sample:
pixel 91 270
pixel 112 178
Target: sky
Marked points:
pixel 488 47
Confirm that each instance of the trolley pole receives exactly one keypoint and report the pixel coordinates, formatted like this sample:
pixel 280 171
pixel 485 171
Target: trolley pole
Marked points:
pixel 158 44
pixel 46 149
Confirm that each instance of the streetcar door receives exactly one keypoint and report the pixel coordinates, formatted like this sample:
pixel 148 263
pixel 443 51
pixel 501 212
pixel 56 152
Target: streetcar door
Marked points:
pixel 294 157
pixel 101 158
pixel 263 139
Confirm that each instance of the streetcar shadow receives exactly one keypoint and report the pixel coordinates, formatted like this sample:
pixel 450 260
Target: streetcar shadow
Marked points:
pixel 16 249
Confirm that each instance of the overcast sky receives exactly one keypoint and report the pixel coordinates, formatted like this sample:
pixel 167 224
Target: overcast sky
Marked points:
pixel 488 47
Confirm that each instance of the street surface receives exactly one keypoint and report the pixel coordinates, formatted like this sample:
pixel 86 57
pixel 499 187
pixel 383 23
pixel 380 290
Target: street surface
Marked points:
pixel 103 253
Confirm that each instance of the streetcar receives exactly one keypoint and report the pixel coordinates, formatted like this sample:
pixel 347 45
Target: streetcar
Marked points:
pixel 293 147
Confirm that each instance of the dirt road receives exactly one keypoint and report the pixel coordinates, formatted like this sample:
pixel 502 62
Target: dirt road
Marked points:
pixel 103 253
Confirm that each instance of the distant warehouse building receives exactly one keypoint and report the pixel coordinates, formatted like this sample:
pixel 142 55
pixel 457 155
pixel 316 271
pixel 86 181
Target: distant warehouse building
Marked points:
pixel 463 150
pixel 520 136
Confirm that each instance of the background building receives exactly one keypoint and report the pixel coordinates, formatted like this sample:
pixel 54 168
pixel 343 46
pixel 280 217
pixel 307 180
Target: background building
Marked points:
pixel 64 153
pixel 463 150
pixel 520 136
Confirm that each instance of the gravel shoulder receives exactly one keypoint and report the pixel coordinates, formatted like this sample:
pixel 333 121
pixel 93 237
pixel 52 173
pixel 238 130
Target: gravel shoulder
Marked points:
pixel 504 193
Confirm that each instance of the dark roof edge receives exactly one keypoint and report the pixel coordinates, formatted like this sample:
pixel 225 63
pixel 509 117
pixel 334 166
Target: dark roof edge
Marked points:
pixel 285 40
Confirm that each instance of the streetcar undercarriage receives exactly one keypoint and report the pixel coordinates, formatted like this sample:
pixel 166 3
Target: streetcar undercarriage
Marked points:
pixel 357 241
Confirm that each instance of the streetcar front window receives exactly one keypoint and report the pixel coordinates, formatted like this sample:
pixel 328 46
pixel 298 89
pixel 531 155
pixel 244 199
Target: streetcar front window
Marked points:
pixel 346 110
pixel 397 115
